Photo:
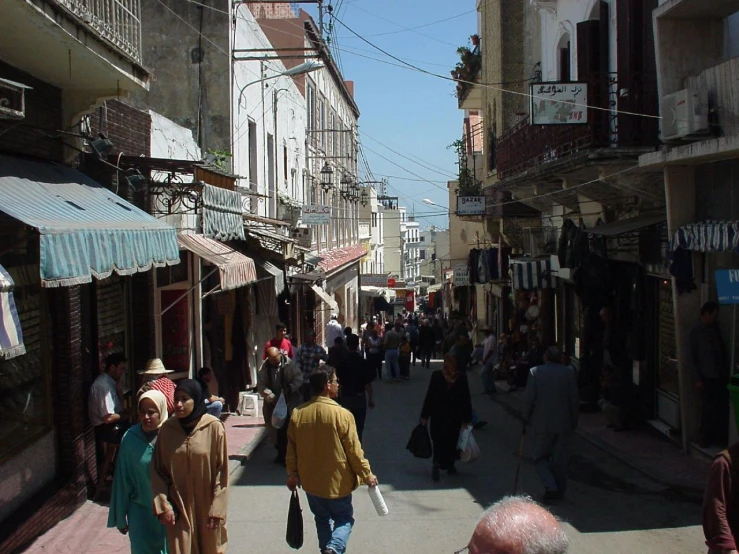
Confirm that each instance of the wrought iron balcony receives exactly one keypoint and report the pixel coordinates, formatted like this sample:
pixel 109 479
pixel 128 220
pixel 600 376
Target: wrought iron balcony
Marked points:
pixel 116 21
pixel 525 146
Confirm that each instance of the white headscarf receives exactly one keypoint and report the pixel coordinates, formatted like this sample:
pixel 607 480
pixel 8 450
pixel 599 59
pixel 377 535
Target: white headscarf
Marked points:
pixel 161 402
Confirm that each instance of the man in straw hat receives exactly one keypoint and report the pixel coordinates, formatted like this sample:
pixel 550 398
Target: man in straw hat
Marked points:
pixel 155 378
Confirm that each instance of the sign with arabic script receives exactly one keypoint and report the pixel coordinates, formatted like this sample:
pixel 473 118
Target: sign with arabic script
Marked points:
pixel 316 214
pixel 559 103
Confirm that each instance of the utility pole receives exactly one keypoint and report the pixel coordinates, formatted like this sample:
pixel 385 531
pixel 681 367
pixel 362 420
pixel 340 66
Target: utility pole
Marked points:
pixel 320 17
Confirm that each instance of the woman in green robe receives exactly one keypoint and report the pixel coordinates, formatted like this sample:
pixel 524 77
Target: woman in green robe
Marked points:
pixel 131 500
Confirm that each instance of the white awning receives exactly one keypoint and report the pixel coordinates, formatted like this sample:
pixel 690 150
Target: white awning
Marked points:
pixel 236 270
pixel 326 297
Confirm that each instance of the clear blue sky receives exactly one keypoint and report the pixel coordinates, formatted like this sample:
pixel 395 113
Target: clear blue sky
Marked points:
pixel 412 115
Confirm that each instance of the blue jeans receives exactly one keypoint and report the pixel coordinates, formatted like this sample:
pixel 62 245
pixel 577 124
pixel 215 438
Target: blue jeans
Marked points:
pixel 334 521
pixel 392 363
pixel 214 408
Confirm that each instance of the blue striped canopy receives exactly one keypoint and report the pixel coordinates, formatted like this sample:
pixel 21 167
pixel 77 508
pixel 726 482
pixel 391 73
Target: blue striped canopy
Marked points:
pixel 86 230
pixel 11 335
pixel 532 274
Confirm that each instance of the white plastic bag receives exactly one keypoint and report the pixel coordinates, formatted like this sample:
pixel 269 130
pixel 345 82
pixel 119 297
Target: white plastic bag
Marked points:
pixel 467 445
pixel 378 501
pixel 279 415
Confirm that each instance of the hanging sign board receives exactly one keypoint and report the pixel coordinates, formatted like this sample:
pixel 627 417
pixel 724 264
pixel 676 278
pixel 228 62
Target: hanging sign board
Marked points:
pixel 374 280
pixel 315 214
pixel 461 276
pixel 727 286
pixel 559 103
pixel 470 205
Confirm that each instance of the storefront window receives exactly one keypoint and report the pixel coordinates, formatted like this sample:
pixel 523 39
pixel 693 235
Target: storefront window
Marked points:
pixel 24 380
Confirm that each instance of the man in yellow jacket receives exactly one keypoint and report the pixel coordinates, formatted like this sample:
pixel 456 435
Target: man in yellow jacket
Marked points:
pixel 325 458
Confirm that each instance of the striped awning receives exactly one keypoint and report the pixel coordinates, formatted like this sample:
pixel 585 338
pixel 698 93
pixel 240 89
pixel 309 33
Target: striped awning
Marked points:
pixel 327 298
pixel 235 269
pixel 271 269
pixel 222 214
pixel 532 274
pixel 86 230
pixel 11 335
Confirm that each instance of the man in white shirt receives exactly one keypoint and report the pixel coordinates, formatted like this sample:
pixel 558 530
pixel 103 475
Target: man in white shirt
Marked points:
pixel 334 330
pixel 104 404
pixel 489 349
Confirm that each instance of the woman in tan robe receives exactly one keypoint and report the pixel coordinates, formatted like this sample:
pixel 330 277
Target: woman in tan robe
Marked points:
pixel 189 476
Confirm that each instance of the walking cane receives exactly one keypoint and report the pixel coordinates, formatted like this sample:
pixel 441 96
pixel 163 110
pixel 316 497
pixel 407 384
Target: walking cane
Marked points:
pixel 520 458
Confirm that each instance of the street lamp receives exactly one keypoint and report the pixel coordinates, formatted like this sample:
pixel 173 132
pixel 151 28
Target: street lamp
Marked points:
pixel 432 203
pixel 346 183
pixel 327 174
pixel 301 69
pixel 364 198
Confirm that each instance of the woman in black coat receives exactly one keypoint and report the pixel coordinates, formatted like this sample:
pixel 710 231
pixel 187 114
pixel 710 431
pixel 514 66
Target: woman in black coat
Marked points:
pixel 448 407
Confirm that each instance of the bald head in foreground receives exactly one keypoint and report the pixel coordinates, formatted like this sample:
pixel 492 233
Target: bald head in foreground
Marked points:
pixel 518 525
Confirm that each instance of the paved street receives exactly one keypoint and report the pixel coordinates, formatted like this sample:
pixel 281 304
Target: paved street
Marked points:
pixel 610 508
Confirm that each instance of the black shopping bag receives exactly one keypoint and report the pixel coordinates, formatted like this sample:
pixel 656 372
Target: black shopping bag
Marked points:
pixel 294 534
pixel 420 443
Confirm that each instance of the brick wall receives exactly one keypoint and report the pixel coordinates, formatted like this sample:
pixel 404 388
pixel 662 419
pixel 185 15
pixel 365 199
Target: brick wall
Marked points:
pixel 71 379
pixel 43 117
pixel 128 128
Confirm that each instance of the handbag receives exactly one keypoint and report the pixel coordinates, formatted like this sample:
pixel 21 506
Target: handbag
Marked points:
pixel 420 443
pixel 279 415
pixel 294 533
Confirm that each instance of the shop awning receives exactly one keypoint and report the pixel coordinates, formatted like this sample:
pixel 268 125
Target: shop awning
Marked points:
pixel 326 297
pixel 372 291
pixel 86 230
pixel 11 335
pixel 381 304
pixel 235 269
pixel 626 226
pixel 311 259
pixel 433 288
pixel 532 274
pixel 276 272
pixel 222 214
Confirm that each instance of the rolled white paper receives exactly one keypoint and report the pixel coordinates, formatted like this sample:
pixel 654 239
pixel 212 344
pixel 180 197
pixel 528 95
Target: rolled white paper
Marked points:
pixel 378 501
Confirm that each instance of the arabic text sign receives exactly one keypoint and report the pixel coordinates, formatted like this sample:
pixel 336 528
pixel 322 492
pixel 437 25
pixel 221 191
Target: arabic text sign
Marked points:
pixel 470 205
pixel 316 214
pixel 559 103
pixel 727 286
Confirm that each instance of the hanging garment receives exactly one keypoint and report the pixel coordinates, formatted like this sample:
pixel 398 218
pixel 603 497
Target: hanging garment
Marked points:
pixel 681 268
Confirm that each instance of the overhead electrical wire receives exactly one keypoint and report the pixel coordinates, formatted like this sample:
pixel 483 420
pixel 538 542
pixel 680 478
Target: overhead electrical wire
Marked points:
pixel 408 29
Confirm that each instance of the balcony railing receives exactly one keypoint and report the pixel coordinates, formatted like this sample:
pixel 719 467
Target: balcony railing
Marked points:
pixel 116 21
pixel 525 146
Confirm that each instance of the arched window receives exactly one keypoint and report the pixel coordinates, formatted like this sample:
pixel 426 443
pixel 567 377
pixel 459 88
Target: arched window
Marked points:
pixel 564 51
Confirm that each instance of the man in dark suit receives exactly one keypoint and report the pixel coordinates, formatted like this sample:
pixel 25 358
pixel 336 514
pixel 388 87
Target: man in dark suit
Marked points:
pixel 551 411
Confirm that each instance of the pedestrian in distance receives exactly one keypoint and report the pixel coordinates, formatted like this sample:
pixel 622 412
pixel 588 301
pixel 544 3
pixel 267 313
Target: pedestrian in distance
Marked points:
pixel 333 330
pixel 279 375
pixel 448 408
pixel 130 500
pixel 308 357
pixel 356 376
pixel 189 476
pixel 551 406
pixel 414 338
pixel 325 458
pixel 280 341
pixel 374 351
pixel 711 374
pixel 213 404
pixel 405 351
pixel 721 504
pixel 155 378
pixel 517 525
pixel 426 343
pixel 392 354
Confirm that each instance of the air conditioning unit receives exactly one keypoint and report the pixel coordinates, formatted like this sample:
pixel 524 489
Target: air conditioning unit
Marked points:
pixel 685 115
pixel 12 99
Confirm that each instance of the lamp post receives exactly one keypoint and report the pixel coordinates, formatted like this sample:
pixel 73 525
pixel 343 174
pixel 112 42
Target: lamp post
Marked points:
pixel 301 69
pixel 432 203
pixel 327 174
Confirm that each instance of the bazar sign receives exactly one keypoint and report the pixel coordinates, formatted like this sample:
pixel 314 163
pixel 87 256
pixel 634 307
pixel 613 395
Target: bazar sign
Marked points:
pixel 461 276
pixel 727 286
pixel 470 205
pixel 315 214
pixel 374 280
pixel 559 103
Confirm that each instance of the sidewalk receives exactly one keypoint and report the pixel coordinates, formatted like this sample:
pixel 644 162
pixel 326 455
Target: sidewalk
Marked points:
pixel 86 531
pixel 643 450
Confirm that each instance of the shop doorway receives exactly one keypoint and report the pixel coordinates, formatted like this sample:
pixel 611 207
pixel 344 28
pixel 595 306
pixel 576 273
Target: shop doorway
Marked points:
pixel 666 383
